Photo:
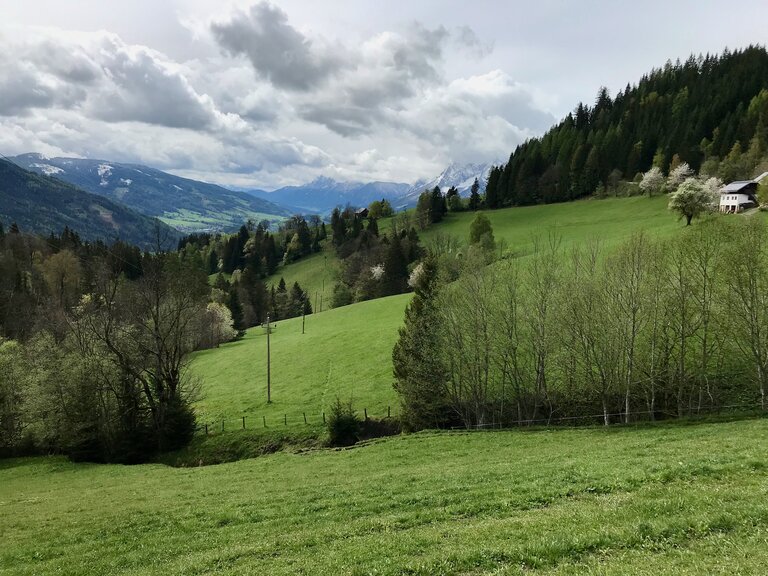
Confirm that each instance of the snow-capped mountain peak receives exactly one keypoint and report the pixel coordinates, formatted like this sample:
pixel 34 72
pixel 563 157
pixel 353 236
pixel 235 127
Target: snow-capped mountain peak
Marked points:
pixel 462 176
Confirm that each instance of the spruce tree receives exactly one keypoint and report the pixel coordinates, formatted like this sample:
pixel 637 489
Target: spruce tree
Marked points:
pixel 474 196
pixel 420 376
pixel 395 268
pixel 236 308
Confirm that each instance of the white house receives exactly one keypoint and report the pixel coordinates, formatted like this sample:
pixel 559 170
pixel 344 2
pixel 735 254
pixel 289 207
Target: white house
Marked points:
pixel 740 195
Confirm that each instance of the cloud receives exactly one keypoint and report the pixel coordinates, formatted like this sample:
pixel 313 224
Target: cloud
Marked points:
pixel 139 86
pixel 278 52
pixel 103 77
pixel 390 69
pixel 265 104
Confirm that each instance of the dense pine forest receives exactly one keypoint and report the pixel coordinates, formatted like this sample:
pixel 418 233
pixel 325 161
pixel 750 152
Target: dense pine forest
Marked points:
pixel 709 111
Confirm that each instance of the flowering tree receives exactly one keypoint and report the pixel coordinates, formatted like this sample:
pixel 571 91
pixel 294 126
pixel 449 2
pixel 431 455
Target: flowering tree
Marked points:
pixel 678 176
pixel 652 181
pixel 690 200
pixel 712 187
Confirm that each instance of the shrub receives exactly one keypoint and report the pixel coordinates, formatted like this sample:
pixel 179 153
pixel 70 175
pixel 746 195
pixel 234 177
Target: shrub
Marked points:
pixel 343 424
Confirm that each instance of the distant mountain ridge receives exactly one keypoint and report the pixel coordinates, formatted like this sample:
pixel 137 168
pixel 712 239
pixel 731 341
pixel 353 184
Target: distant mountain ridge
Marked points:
pixel 187 205
pixel 41 204
pixel 323 194
pixel 461 176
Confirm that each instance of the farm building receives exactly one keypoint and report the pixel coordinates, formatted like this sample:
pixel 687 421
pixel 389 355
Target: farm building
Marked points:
pixel 740 195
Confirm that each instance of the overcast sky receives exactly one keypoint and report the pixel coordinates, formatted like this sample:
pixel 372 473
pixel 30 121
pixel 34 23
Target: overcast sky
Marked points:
pixel 263 94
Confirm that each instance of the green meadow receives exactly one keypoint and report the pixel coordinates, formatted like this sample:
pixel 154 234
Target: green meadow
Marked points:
pixel 344 352
pixel 609 220
pixel 316 274
pixel 347 351
pixel 670 499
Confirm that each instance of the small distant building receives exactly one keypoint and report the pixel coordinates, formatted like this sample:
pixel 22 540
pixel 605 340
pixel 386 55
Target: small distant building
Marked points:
pixel 741 195
pixel 362 213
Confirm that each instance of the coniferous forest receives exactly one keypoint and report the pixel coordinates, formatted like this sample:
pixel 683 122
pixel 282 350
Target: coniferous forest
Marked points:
pixel 709 111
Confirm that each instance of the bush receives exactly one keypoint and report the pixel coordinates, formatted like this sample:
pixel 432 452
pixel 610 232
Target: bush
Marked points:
pixel 343 424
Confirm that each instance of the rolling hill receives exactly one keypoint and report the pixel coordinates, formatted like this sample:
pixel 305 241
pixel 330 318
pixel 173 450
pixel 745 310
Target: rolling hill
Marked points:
pixel 42 204
pixel 187 205
pixel 347 351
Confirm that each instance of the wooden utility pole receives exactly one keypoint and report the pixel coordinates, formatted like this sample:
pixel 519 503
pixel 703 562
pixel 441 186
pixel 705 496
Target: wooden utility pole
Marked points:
pixel 269 375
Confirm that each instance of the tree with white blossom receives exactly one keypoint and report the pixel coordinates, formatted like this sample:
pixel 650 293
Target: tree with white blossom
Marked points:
pixel 690 200
pixel 678 176
pixel 652 182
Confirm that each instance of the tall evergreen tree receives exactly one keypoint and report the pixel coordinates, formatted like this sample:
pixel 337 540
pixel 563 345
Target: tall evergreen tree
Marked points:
pixel 474 196
pixel 420 376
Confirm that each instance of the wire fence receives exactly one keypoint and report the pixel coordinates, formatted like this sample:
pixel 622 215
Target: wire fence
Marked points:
pixel 311 418
pixel 615 418
pixel 276 420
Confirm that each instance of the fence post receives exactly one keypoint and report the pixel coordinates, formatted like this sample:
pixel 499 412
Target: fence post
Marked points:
pixel 222 425
pixel 365 411
pixel 305 417
pixel 323 417
pixel 243 422
pixel 265 421
pixel 206 429
pixel 286 419
pixel 389 413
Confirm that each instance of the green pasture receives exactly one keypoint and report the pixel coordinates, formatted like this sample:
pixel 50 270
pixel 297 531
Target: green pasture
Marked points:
pixel 345 352
pixel 609 220
pixel 316 274
pixel 670 499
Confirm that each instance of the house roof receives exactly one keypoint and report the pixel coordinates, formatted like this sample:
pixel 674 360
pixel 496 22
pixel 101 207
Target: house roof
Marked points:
pixel 736 186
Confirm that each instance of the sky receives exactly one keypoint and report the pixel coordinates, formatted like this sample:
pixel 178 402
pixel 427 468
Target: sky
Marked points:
pixel 260 94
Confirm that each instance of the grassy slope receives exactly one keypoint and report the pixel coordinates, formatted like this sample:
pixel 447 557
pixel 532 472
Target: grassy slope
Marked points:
pixel 316 274
pixel 345 351
pixel 348 351
pixel 611 220
pixel 663 500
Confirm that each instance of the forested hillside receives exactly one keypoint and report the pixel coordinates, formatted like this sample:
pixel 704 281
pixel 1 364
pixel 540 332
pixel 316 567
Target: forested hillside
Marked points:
pixel 187 205
pixel 44 205
pixel 710 111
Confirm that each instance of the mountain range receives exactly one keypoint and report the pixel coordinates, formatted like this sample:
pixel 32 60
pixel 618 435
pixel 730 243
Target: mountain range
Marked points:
pixel 107 200
pixel 187 205
pixel 323 194
pixel 41 204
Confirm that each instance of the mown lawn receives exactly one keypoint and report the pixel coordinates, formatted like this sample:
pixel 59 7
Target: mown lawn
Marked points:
pixel 345 352
pixel 675 499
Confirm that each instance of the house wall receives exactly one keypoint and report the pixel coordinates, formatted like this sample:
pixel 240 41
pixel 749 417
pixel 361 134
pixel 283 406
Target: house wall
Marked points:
pixel 731 202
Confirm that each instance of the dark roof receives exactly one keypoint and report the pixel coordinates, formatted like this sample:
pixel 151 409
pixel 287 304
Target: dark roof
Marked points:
pixel 737 186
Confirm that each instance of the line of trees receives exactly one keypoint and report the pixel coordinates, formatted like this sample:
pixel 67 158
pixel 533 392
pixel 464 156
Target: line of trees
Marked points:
pixel 94 344
pixel 651 329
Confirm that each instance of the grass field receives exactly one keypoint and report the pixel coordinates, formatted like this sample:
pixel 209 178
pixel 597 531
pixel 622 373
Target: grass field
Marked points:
pixel 672 499
pixel 611 220
pixel 316 274
pixel 346 352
